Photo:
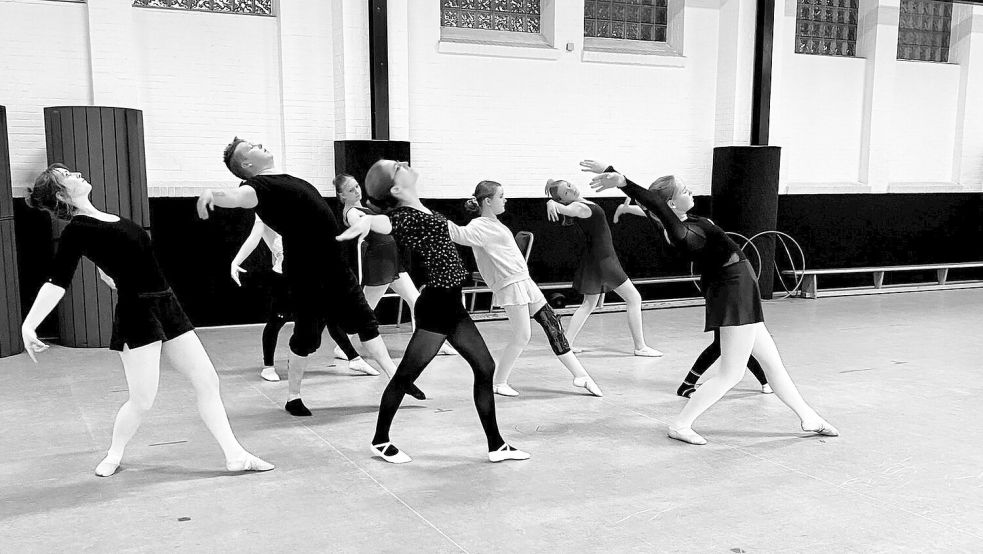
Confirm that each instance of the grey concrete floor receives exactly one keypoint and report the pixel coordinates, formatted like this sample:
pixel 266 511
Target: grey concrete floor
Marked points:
pixel 899 375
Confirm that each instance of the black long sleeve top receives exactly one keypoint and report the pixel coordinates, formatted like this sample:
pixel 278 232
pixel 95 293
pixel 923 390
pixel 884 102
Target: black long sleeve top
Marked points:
pixel 698 238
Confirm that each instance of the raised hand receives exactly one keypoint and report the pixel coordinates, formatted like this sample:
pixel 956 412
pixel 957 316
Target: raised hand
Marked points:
pixel 606 181
pixel 206 203
pixel 621 209
pixel 31 342
pixel 235 271
pixel 593 166
pixel 552 212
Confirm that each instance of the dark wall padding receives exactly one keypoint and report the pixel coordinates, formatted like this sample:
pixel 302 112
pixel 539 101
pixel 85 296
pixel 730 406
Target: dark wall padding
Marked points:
pixel 745 199
pixel 355 157
pixel 835 231
pixel 106 146
pixel 10 299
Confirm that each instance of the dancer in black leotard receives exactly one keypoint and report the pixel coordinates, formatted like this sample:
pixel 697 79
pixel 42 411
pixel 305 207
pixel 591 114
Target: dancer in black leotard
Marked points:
pixel 148 319
pixel 733 303
pixel 440 312
pixel 712 352
pixel 599 270
pixel 322 287
pixel 279 310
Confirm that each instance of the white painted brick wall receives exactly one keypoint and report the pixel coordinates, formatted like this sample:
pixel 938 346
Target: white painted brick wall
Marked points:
pixel 301 81
pixel 44 61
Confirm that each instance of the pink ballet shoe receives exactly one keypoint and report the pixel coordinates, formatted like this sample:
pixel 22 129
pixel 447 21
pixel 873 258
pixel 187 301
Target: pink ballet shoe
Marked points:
pixel 248 463
pixel 823 428
pixel 686 435
pixel 506 452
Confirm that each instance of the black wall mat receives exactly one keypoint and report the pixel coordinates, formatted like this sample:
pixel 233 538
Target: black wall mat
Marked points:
pixel 10 297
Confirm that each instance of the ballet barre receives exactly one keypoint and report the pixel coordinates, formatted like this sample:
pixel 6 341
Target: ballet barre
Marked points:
pixel 810 279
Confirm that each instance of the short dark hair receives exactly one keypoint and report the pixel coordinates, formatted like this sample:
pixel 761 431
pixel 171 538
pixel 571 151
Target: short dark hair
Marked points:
pixel 229 158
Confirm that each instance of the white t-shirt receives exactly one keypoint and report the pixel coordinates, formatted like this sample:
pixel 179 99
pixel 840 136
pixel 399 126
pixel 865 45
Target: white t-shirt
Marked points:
pixel 499 259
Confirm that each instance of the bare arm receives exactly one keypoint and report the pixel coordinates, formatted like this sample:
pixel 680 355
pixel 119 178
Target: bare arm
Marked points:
pixel 377 223
pixel 252 241
pixel 46 300
pixel 240 197
pixel 361 227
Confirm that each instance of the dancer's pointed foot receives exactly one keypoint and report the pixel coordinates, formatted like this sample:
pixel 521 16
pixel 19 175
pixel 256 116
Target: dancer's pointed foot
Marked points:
pixel 415 392
pixel 589 384
pixel 766 389
pixel 821 427
pixel 297 408
pixel 248 462
pixel 339 353
pixel 108 466
pixel 686 390
pixel 648 352
pixel 686 435
pixel 505 390
pixel 506 452
pixel 269 374
pixel 388 452
pixel 360 365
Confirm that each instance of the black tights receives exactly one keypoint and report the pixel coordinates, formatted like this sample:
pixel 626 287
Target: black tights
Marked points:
pixel 422 348
pixel 279 319
pixel 706 359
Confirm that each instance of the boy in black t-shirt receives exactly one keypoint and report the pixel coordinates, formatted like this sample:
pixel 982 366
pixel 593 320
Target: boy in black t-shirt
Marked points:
pixel 322 287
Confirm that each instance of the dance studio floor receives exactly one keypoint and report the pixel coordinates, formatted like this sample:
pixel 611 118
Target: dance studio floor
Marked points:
pixel 898 374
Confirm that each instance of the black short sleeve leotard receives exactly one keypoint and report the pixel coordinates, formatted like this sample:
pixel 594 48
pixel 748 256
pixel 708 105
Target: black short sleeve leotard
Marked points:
pixel 380 255
pixel 122 249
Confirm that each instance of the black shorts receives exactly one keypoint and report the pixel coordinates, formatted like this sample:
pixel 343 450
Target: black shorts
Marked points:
pixel 440 310
pixel 732 297
pixel 144 318
pixel 339 303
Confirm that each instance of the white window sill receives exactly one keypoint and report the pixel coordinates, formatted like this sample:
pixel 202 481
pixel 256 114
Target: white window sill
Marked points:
pixel 824 188
pixel 908 187
pixel 631 52
pixel 500 44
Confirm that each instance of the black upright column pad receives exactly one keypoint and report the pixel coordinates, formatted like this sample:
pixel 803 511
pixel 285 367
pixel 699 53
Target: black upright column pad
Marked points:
pixel 744 195
pixel 10 308
pixel 355 157
pixel 106 146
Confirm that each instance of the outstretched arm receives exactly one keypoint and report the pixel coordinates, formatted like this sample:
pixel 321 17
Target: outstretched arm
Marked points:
pixel 466 235
pixel 241 197
pixel 675 230
pixel 377 223
pixel 575 209
pixel 47 298
pixel 361 226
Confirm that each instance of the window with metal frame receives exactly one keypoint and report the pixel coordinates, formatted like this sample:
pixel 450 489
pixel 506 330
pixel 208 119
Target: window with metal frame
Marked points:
pixel 247 7
pixel 826 27
pixel 644 20
pixel 518 16
pixel 924 30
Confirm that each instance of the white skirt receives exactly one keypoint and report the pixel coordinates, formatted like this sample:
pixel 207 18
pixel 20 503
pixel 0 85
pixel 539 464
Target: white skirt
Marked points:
pixel 517 294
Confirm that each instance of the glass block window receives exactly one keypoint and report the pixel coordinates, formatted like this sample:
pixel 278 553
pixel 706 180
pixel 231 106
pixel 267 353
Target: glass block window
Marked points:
pixel 826 27
pixel 923 31
pixel 626 19
pixel 250 7
pixel 521 16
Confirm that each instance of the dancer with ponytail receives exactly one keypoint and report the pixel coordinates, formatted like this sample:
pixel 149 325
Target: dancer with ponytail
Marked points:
pixel 504 268
pixel 712 352
pixel 733 303
pixel 599 270
pixel 440 312
pixel 148 320
pixel 279 309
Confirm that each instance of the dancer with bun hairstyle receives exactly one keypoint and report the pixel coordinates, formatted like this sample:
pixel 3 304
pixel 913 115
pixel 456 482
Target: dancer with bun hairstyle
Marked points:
pixel 148 320
pixel 599 270
pixel 504 268
pixel 440 312
pixel 733 303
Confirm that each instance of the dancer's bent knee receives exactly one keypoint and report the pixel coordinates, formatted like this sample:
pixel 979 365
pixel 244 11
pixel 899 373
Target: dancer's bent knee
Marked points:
pixel 550 323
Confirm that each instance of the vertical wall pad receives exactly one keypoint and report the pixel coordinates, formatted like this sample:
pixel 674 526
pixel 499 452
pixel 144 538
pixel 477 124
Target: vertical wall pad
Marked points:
pixel 744 191
pixel 106 146
pixel 355 157
pixel 10 307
